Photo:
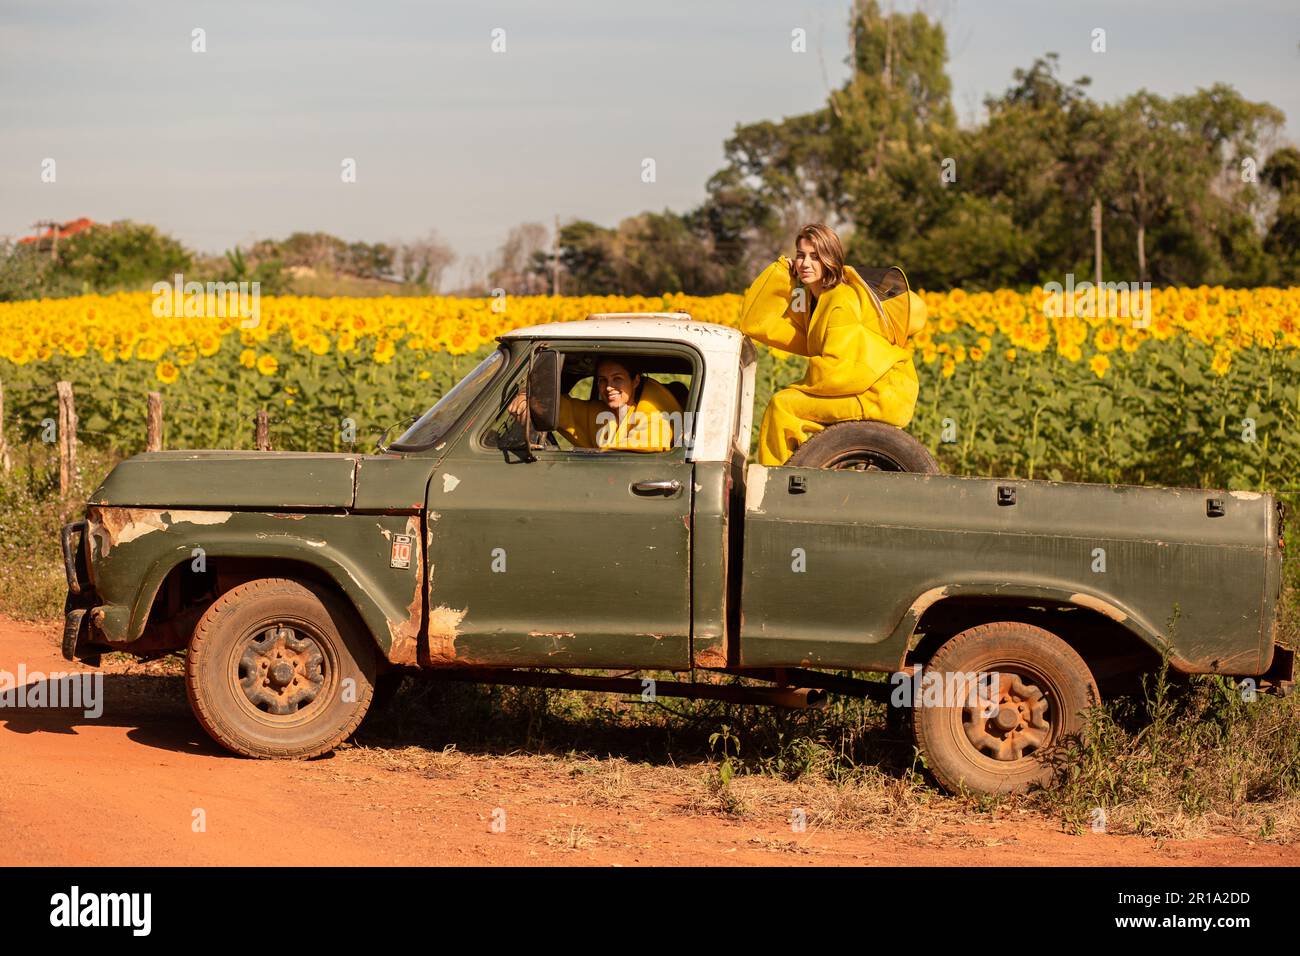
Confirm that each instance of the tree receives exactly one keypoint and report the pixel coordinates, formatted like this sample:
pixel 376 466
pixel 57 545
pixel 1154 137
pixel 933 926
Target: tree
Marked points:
pixel 1173 175
pixel 514 270
pixel 587 259
pixel 423 262
pixel 891 127
pixel 124 255
pixel 267 273
pixel 1282 174
pixel 658 253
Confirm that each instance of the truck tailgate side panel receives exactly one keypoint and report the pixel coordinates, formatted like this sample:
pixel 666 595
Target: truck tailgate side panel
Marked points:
pixel 833 573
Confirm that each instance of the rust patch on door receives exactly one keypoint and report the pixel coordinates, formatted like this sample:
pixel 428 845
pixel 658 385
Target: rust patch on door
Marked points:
pixel 444 628
pixel 710 657
pixel 405 634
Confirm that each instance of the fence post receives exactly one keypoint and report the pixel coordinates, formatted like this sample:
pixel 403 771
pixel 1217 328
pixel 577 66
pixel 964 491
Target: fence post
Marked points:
pixel 4 445
pixel 263 431
pixel 153 442
pixel 67 438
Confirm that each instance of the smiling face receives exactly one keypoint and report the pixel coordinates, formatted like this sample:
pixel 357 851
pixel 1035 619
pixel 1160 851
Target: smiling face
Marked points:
pixel 614 386
pixel 808 265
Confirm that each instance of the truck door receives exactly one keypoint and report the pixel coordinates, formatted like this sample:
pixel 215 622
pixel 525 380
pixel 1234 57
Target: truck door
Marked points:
pixel 577 558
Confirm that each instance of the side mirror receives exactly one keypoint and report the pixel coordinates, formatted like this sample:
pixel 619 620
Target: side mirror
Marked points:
pixel 544 389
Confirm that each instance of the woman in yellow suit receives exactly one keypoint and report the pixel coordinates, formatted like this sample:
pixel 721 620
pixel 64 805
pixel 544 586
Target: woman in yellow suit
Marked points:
pixel 859 365
pixel 628 411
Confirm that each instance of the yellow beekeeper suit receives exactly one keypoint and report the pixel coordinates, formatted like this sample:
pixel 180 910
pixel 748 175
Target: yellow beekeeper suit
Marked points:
pixel 647 426
pixel 859 364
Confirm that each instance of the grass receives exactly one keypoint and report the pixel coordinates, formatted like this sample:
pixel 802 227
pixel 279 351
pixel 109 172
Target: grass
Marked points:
pixel 32 582
pixel 1184 758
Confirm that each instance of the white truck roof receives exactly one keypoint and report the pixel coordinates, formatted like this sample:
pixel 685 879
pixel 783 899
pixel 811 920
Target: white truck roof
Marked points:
pixel 727 404
pixel 665 326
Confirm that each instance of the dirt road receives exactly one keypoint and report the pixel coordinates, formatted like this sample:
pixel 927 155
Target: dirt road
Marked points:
pixel 143 785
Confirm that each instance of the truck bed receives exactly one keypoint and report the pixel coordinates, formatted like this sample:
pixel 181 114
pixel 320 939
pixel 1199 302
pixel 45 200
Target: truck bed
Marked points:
pixel 879 549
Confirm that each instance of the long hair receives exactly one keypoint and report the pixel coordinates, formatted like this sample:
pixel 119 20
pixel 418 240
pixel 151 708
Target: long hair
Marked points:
pixel 829 250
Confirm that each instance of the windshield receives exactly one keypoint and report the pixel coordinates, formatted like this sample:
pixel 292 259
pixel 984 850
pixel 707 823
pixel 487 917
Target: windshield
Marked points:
pixel 437 421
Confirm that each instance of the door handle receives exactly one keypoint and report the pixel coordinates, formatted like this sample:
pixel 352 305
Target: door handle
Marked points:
pixel 665 488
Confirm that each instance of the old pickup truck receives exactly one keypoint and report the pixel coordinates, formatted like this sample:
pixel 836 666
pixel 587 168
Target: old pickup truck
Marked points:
pixel 478 548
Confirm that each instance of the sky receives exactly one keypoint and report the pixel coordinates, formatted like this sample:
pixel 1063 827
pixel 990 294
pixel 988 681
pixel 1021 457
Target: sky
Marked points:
pixel 248 139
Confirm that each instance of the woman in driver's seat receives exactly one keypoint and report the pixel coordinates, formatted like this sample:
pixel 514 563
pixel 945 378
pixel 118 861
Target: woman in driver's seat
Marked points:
pixel 628 411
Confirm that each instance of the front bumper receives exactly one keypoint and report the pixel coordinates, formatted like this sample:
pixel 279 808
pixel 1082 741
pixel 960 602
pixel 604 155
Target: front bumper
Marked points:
pixel 75 567
pixel 76 625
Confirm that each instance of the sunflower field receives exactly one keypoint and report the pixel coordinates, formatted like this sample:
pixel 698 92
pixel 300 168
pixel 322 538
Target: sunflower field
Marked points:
pixel 1205 391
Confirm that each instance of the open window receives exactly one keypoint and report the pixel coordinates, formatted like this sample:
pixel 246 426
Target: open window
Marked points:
pixel 654 416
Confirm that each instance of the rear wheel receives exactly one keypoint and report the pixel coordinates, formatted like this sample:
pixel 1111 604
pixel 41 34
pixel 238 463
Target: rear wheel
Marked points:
pixel 277 669
pixel 1005 736
pixel 864 446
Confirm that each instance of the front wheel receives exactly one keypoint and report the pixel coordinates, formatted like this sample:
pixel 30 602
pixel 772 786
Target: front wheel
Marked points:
pixel 277 669
pixel 864 446
pixel 1000 701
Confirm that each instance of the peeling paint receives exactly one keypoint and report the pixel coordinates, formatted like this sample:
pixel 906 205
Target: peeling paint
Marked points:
pixel 925 601
pixel 202 517
pixel 444 627
pixel 755 488
pixel 1097 604
pixel 117 526
pixel 710 657
pixel 1246 495
pixel 552 634
pixel 449 483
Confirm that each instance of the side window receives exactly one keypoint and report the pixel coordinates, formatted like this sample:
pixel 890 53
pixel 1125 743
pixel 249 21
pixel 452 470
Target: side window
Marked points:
pixel 613 401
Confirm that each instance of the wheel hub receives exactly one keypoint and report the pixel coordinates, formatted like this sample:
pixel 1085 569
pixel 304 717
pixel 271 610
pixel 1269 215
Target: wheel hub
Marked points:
pixel 280 670
pixel 1020 726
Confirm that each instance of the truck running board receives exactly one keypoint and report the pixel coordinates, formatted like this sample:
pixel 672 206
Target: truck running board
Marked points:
pixel 801 697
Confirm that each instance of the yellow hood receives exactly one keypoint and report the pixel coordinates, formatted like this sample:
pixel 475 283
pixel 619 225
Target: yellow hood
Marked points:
pixel 901 315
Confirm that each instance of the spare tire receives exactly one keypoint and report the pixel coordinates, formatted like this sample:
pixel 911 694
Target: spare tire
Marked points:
pixel 864 446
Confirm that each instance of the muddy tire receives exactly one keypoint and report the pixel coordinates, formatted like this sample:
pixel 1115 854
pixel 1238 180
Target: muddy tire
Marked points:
pixel 1011 737
pixel 277 669
pixel 864 446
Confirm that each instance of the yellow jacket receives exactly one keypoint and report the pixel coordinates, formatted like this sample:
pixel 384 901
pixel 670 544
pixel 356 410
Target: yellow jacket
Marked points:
pixel 845 340
pixel 647 426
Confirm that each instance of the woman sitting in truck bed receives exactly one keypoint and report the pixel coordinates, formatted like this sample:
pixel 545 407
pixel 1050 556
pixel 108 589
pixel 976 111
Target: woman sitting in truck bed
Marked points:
pixel 859 365
pixel 628 411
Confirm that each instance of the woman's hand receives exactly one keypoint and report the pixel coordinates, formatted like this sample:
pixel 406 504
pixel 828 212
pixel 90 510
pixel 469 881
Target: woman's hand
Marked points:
pixel 518 407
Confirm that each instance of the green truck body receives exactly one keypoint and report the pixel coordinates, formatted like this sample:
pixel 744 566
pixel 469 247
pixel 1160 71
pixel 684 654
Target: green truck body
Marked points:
pixel 457 551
